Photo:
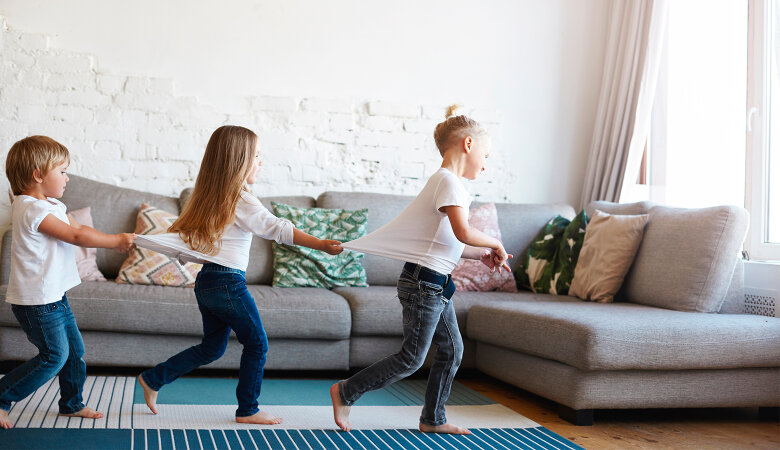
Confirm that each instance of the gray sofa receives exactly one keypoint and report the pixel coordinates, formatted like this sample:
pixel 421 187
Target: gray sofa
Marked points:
pixel 582 355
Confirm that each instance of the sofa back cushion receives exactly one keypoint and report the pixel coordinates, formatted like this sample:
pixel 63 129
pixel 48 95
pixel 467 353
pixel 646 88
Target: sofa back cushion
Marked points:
pixel 628 209
pixel 687 258
pixel 114 210
pixel 735 297
pixel 518 225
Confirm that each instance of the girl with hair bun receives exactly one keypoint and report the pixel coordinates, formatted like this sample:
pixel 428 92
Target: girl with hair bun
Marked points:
pixel 430 236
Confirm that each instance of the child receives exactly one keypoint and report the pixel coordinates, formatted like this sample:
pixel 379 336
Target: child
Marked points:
pixel 431 234
pixel 215 228
pixel 43 268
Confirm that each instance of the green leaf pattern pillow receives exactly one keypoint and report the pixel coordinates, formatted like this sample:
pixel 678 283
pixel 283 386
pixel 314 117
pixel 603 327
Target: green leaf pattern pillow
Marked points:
pixel 296 266
pixel 548 266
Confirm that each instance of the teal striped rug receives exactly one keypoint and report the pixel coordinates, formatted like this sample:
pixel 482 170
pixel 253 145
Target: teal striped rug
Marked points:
pixel 197 413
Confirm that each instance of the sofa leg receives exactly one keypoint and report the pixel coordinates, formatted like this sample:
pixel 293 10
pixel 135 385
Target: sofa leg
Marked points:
pixel 579 417
pixel 769 413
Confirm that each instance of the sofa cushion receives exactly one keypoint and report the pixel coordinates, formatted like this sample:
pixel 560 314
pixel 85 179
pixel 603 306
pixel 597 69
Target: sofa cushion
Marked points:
pixel 624 336
pixel 299 266
pixel 518 225
pixel 114 210
pixel 687 257
pixel 295 313
pixel 377 312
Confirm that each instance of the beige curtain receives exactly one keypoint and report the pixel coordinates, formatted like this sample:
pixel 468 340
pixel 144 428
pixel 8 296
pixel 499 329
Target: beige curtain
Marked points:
pixel 633 56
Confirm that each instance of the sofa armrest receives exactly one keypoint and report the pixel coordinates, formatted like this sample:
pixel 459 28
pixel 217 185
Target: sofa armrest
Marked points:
pixel 5 258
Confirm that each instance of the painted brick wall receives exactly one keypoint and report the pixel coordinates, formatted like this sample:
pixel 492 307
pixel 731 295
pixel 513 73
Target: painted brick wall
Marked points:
pixel 136 132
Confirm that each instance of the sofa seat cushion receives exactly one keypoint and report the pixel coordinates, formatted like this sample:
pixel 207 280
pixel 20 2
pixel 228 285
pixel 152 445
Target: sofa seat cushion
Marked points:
pixel 377 312
pixel 294 313
pixel 625 336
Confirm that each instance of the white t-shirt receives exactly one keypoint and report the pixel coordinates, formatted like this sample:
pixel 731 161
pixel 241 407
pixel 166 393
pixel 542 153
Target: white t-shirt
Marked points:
pixel 251 218
pixel 422 234
pixel 42 267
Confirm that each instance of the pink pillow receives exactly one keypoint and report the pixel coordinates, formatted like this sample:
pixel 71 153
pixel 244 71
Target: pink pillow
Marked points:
pixel 472 275
pixel 86 258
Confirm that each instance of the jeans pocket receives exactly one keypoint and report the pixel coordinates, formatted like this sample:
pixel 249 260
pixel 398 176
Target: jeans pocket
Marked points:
pixel 215 298
pixel 409 309
pixel 430 289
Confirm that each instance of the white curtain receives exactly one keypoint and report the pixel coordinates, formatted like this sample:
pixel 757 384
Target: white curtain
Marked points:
pixel 633 57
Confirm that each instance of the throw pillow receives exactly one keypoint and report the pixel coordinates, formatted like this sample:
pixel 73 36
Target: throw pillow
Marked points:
pixel 548 265
pixel 296 266
pixel 86 258
pixel 144 266
pixel 609 249
pixel 472 275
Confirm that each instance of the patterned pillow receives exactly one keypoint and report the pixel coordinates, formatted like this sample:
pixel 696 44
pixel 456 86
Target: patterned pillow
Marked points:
pixel 471 275
pixel 296 266
pixel 144 266
pixel 548 266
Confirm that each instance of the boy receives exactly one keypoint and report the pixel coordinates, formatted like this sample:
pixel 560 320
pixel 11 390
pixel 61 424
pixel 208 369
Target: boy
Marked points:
pixel 43 268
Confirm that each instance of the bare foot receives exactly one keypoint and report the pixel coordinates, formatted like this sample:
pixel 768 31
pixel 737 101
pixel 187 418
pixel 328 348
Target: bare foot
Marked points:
pixel 260 418
pixel 443 429
pixel 340 410
pixel 150 395
pixel 86 412
pixel 4 422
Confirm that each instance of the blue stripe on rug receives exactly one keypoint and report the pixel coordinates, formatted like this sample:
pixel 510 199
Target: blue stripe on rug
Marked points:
pixel 222 391
pixel 281 439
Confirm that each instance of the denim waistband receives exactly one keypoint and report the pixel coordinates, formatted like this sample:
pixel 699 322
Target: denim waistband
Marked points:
pixel 211 267
pixel 422 273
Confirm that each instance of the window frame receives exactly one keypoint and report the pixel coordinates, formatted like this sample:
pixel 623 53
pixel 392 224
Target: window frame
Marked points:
pixel 757 132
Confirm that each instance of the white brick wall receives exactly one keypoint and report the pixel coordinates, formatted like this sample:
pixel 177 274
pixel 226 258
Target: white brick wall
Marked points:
pixel 135 131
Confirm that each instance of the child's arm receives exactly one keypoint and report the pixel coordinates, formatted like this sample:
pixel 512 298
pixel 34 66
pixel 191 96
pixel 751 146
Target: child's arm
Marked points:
pixel 84 236
pixel 326 245
pixel 471 236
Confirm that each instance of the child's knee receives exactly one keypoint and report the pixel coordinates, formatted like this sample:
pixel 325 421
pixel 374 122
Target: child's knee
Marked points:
pixel 54 358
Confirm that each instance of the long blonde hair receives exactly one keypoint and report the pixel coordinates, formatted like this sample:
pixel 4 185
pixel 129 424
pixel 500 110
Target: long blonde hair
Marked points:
pixel 212 206
pixel 455 127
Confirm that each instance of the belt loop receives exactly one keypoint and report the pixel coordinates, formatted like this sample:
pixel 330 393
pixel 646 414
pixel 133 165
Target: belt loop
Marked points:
pixel 417 268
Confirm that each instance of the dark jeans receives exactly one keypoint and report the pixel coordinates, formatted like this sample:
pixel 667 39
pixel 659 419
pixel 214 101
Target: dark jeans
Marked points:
pixel 224 303
pixel 429 318
pixel 52 329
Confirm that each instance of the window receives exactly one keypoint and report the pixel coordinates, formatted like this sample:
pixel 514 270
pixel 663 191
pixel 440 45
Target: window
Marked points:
pixel 763 125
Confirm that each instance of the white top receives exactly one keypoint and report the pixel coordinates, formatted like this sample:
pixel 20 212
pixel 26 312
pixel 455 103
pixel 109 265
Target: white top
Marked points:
pixel 422 234
pixel 42 267
pixel 251 218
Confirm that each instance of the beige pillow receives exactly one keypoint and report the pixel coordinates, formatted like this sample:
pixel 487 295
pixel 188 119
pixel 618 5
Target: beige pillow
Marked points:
pixel 86 258
pixel 609 248
pixel 144 266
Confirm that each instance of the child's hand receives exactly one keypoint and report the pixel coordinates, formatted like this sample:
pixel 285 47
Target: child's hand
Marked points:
pixel 500 257
pixel 126 242
pixel 487 259
pixel 330 247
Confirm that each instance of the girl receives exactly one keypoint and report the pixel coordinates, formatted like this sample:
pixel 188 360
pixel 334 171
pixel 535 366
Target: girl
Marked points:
pixel 431 235
pixel 215 228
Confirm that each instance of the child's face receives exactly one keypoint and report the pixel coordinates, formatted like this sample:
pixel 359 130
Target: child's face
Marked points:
pixel 53 183
pixel 476 158
pixel 256 163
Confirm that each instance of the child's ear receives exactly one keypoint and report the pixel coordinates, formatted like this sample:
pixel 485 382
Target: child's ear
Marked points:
pixel 37 176
pixel 467 143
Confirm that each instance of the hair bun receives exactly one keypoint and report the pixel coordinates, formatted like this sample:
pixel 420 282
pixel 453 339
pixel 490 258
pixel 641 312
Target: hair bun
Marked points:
pixel 452 110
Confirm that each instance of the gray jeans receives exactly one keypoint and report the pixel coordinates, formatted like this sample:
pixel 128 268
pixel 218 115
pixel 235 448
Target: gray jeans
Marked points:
pixel 429 318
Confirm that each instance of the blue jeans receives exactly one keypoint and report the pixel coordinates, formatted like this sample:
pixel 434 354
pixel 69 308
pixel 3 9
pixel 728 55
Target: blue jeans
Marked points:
pixel 224 303
pixel 429 318
pixel 52 329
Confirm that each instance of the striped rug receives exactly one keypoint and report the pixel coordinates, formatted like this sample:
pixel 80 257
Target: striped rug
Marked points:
pixel 197 413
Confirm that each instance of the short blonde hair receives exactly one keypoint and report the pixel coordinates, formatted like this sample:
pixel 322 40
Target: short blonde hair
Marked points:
pixel 33 153
pixel 454 128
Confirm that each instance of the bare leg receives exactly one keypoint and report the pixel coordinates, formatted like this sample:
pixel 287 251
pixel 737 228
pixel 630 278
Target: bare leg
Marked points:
pixel 260 418
pixel 443 429
pixel 150 395
pixel 86 412
pixel 340 410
